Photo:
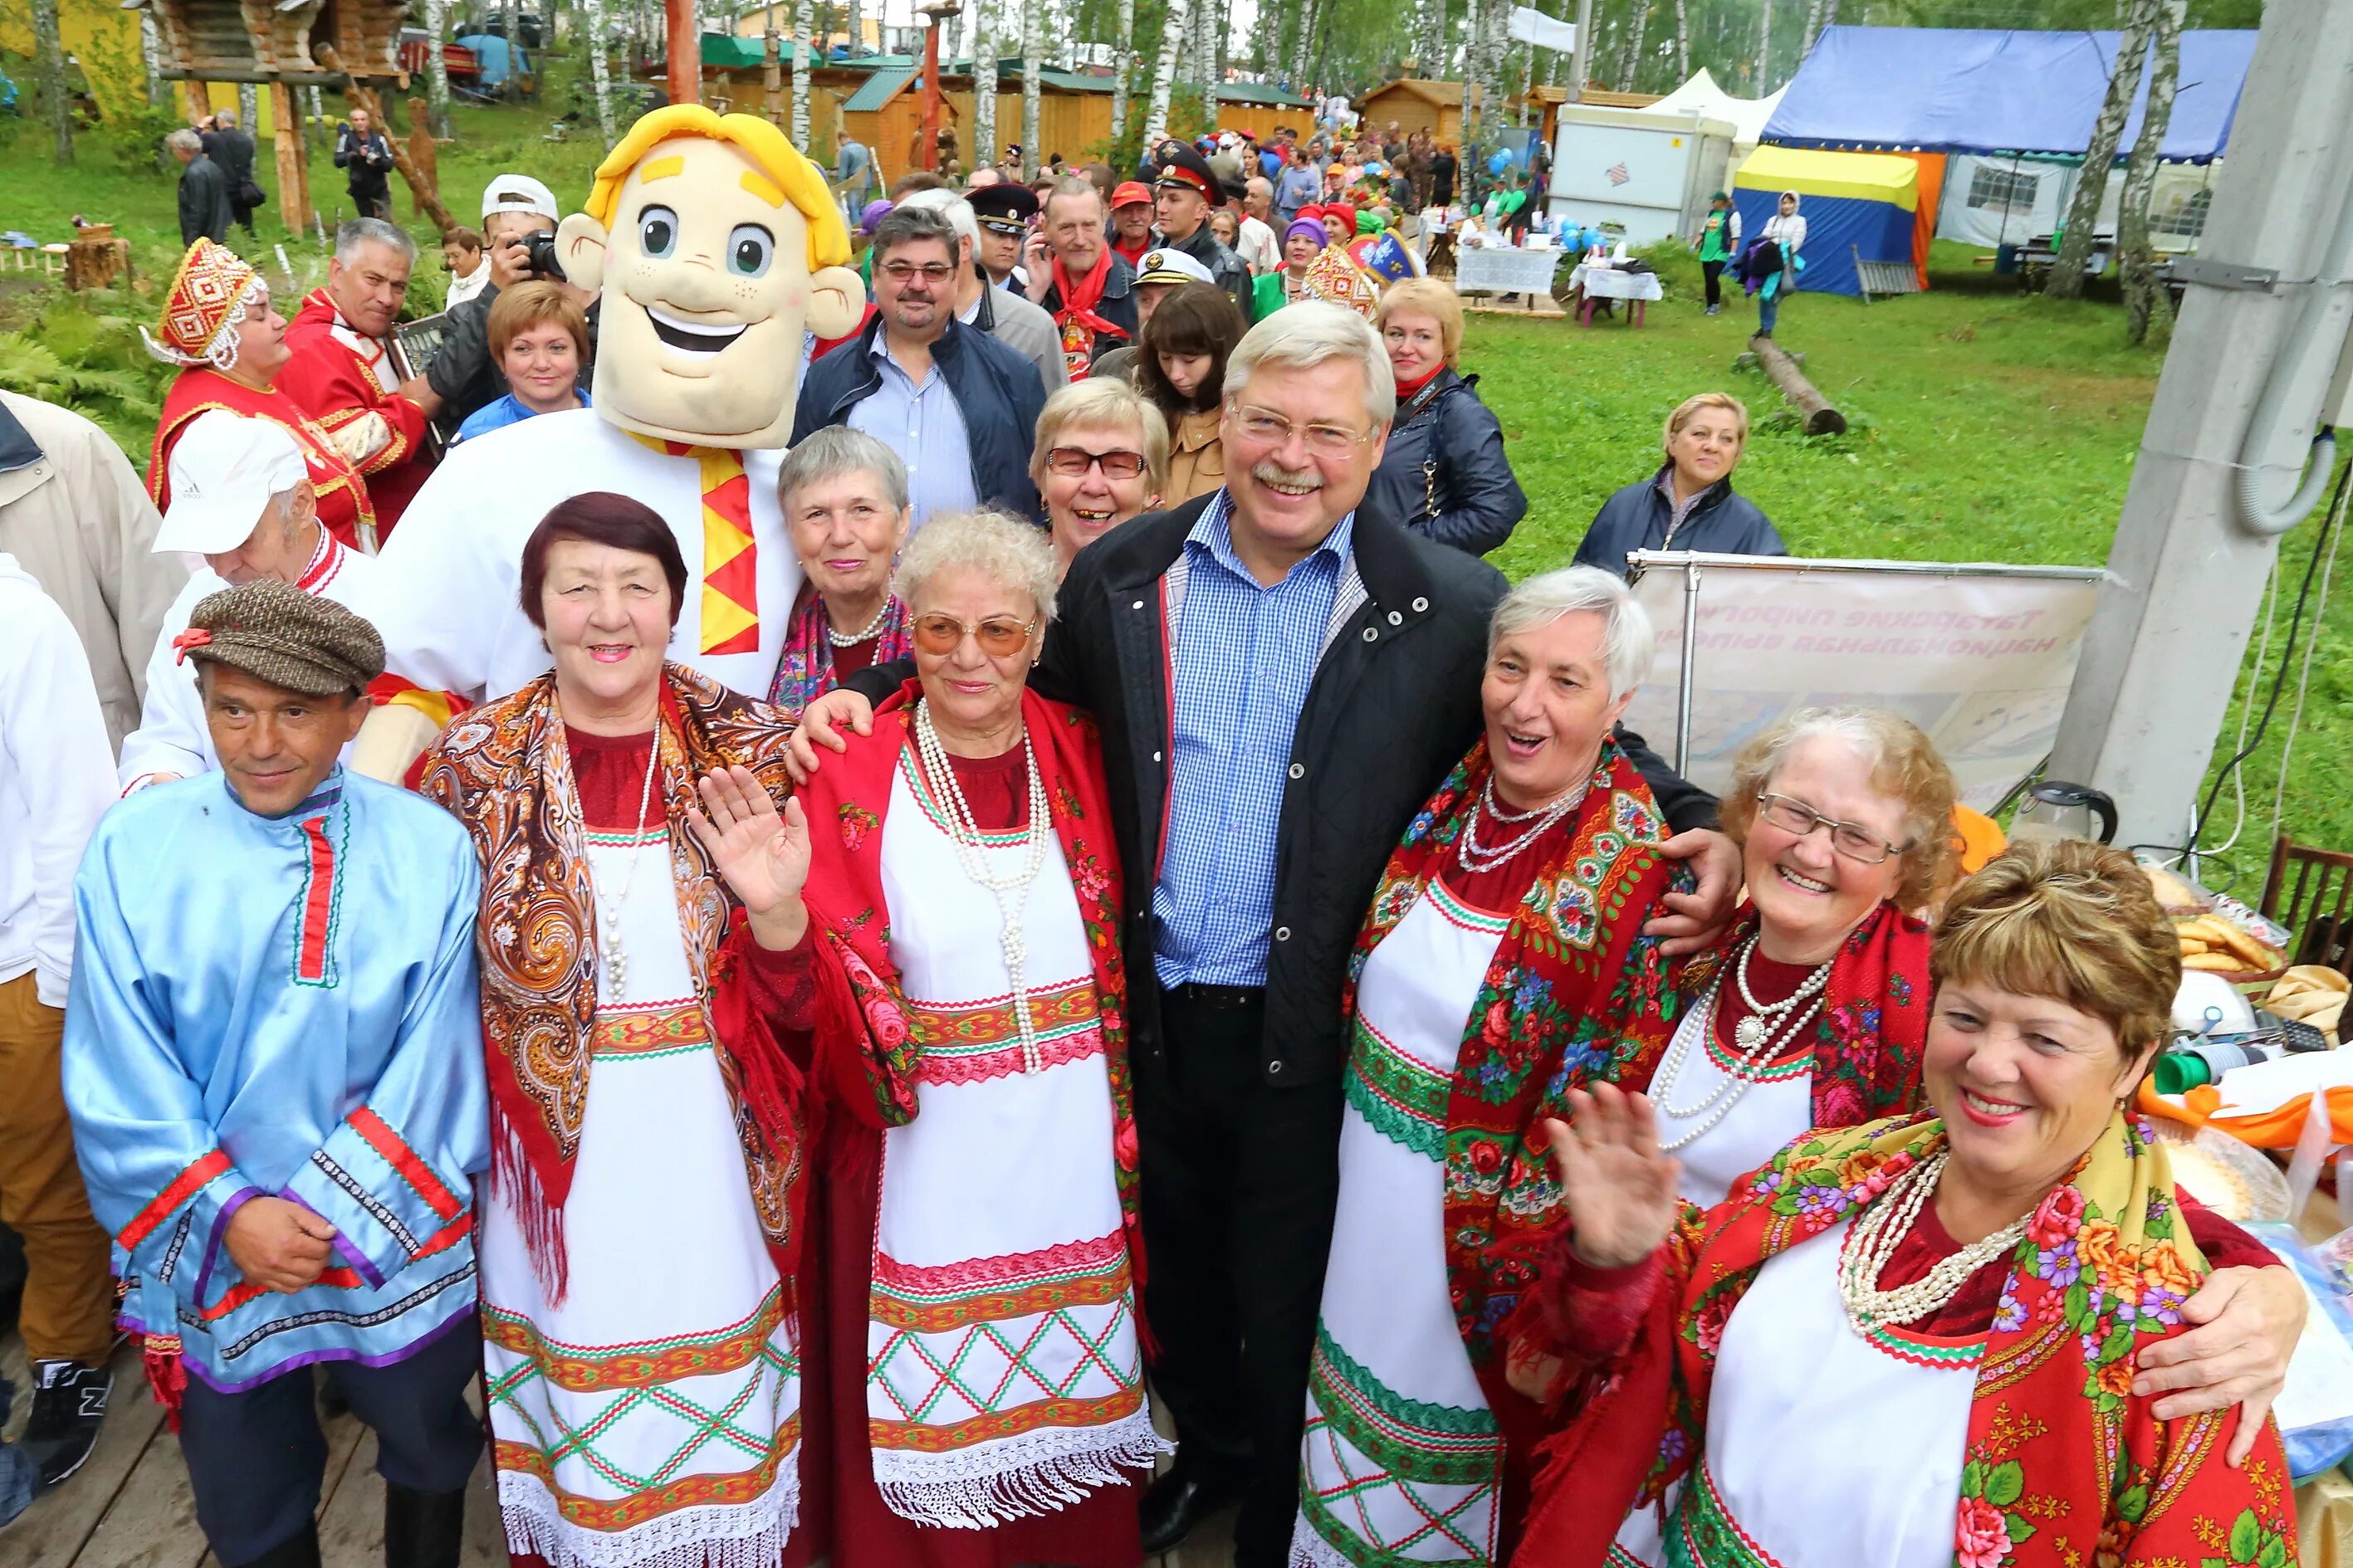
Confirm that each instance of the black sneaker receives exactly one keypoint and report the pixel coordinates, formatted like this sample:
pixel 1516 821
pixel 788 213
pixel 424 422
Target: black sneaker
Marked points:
pixel 69 1407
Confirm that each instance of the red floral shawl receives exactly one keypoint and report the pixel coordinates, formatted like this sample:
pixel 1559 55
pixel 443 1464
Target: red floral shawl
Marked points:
pixel 864 1052
pixel 503 769
pixel 2064 1466
pixel 805 673
pixel 1574 993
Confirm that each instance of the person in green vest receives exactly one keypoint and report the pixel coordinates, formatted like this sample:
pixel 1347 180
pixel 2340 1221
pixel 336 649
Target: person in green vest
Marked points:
pixel 1717 242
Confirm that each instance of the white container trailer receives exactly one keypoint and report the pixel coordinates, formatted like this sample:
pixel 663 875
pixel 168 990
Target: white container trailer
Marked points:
pixel 1650 173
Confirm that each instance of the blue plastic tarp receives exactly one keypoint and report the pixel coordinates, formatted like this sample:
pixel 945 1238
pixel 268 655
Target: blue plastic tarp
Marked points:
pixel 494 58
pixel 1837 230
pixel 1950 89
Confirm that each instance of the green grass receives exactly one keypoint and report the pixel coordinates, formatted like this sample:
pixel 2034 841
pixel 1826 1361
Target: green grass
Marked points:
pixel 1985 426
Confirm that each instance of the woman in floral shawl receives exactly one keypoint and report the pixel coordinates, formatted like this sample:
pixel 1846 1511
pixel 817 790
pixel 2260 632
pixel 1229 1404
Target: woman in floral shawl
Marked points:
pixel 1913 1342
pixel 844 497
pixel 1809 1013
pixel 637 1245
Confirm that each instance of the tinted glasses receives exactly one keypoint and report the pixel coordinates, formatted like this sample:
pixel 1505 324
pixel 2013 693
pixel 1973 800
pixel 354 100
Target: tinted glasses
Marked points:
pixel 998 635
pixel 1072 461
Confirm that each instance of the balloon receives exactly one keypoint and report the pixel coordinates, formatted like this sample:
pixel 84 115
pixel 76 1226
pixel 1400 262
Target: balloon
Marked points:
pixel 1499 161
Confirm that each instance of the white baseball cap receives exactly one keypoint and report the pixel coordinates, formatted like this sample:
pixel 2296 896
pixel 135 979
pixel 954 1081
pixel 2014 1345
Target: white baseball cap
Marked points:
pixel 519 194
pixel 1168 264
pixel 225 468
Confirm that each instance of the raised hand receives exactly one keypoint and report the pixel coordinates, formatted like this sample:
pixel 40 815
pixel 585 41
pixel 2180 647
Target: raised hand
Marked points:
pixel 819 719
pixel 763 854
pixel 1618 1189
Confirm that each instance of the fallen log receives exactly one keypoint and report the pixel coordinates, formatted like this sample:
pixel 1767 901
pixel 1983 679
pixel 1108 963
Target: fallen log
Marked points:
pixel 1821 419
pixel 420 185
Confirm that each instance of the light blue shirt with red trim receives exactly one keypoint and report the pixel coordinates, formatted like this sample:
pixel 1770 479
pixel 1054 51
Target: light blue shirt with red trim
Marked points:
pixel 283 1006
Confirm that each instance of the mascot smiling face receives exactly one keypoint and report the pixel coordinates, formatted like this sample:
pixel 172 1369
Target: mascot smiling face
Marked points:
pixel 715 244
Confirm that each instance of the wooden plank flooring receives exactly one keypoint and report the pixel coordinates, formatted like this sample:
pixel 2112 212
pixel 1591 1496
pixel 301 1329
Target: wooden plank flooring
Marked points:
pixel 129 1506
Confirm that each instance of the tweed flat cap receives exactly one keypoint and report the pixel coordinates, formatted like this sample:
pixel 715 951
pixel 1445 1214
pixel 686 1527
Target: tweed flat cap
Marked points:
pixel 278 633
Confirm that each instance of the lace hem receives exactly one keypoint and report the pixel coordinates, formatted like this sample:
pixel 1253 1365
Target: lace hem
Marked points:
pixel 725 1535
pixel 1310 1550
pixel 1016 1477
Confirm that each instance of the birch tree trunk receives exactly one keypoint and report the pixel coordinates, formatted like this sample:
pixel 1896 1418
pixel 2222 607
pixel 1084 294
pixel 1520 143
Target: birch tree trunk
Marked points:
pixel 1033 44
pixel 1683 43
pixel 1634 44
pixel 1211 65
pixel 802 21
pixel 856 28
pixel 1813 25
pixel 248 106
pixel 1164 76
pixel 1765 53
pixel 984 84
pixel 2066 280
pixel 2143 294
pixel 49 63
pixel 1122 64
pixel 437 66
pixel 600 72
pixel 151 51
pixel 512 23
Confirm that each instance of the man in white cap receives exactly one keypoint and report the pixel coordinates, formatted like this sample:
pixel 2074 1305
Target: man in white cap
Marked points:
pixel 514 208
pixel 242 501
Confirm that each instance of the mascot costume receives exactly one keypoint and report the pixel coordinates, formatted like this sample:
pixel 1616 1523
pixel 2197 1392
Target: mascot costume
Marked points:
pixel 716 247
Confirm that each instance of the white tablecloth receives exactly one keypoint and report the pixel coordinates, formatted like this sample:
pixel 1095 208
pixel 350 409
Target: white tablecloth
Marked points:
pixel 1503 270
pixel 1609 283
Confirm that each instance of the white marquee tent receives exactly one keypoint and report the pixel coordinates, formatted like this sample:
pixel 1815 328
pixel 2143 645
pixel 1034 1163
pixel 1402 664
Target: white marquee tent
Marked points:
pixel 1701 95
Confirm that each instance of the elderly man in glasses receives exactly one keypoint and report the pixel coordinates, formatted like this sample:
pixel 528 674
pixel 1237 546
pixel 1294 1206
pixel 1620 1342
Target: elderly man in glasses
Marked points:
pixel 954 403
pixel 1281 673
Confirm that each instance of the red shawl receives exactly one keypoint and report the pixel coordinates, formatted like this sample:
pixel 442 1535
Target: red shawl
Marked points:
pixel 504 770
pixel 342 494
pixel 2065 1464
pixel 865 1056
pixel 1079 297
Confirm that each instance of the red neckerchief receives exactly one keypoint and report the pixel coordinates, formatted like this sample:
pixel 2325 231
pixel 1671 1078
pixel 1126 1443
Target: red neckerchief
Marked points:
pixel 1079 299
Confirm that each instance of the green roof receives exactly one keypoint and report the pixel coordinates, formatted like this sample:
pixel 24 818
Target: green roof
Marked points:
pixel 878 89
pixel 1259 92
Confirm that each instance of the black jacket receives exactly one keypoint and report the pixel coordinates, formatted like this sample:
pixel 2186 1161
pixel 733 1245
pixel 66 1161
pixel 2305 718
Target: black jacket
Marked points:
pixel 996 391
pixel 1394 706
pixel 1445 475
pixel 367 167
pixel 1227 270
pixel 203 201
pixel 1117 306
pixel 1725 522
pixel 1441 177
pixel 233 150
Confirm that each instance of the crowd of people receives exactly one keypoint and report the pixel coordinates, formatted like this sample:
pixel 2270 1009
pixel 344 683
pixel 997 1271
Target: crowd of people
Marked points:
pixel 831 924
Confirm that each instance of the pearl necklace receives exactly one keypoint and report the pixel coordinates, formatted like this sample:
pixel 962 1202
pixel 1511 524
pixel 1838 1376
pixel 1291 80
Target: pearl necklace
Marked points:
pixel 1754 1044
pixel 609 933
pixel 1012 891
pixel 1882 1228
pixel 1475 857
pixel 856 637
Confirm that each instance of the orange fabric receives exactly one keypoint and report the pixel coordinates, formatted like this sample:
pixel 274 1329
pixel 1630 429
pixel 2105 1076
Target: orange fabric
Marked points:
pixel 2275 1128
pixel 1923 216
pixel 1981 838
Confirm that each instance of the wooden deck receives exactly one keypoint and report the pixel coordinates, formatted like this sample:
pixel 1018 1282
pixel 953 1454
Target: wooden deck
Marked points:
pixel 130 1507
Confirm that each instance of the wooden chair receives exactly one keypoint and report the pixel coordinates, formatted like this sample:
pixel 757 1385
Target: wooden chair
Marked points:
pixel 2310 891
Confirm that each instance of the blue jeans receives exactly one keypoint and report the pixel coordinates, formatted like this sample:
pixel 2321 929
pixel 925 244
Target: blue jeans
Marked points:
pixel 1768 311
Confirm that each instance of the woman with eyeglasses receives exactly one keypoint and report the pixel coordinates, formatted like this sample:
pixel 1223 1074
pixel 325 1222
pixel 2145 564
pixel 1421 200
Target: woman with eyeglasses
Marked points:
pixel 953 888
pixel 1812 1012
pixel 844 497
pixel 1180 366
pixel 1101 458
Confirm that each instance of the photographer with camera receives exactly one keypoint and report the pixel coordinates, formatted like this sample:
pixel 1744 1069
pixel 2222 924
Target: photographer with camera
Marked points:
pixel 518 218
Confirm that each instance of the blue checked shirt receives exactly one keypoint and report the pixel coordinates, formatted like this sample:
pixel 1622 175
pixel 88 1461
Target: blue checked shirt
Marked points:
pixel 1243 657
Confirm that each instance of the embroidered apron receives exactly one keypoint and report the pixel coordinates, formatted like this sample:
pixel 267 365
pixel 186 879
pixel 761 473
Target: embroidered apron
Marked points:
pixel 1402 1459
pixel 657 1409
pixel 1775 1105
pixel 1004 1376
pixel 1794 1382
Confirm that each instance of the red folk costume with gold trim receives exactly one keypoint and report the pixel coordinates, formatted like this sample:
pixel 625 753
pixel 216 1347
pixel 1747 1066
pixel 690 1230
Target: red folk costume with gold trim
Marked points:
pixel 340 376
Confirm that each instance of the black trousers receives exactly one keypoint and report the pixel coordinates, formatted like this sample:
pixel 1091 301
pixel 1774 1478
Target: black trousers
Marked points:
pixel 1714 272
pixel 256 1458
pixel 1239 1183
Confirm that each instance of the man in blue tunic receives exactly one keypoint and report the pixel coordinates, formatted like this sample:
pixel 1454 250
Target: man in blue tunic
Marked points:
pixel 273 1060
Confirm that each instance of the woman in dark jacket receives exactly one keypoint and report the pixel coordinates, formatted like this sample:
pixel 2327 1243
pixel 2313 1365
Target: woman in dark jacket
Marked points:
pixel 1444 475
pixel 1689 504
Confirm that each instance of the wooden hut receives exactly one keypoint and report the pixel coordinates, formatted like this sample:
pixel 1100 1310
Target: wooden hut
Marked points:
pixel 1416 105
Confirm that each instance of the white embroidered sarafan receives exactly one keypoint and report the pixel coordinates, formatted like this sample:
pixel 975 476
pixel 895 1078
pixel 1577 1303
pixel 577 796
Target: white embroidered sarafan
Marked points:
pixel 1004 1377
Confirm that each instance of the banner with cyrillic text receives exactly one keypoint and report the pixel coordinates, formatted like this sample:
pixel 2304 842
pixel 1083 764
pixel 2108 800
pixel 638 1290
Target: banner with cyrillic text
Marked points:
pixel 1979 656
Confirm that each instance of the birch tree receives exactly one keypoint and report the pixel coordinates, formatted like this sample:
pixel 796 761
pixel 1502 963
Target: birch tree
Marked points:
pixel 49 63
pixel 2066 280
pixel 856 29
pixel 511 24
pixel 151 50
pixel 1634 44
pixel 1164 76
pixel 1122 65
pixel 600 72
pixel 1209 69
pixel 1765 52
pixel 1683 43
pixel 984 83
pixel 1032 61
pixel 2144 293
pixel 802 20
pixel 1813 25
pixel 437 66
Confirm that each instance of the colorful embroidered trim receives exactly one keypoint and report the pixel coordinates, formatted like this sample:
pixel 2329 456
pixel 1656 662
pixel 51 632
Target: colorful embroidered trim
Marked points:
pixel 380 1137
pixel 930 807
pixel 1704 1534
pixel 973 1042
pixel 1403 1097
pixel 582 1369
pixel 182 1187
pixel 322 904
pixel 373 1206
pixel 939 1300
pixel 665 1030
pixel 925 1437
pixel 654 1499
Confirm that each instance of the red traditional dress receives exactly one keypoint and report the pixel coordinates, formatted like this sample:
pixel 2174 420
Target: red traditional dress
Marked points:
pixel 341 376
pixel 198 332
pixel 2001 1432
pixel 640 1302
pixel 982 1360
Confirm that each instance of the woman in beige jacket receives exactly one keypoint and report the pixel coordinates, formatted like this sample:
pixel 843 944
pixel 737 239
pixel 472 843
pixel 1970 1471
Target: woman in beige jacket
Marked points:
pixel 1180 368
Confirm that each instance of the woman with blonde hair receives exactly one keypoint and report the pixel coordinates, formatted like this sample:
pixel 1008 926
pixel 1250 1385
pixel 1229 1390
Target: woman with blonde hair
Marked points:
pixel 1689 504
pixel 1444 474
pixel 1100 458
